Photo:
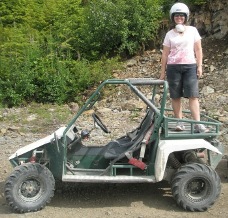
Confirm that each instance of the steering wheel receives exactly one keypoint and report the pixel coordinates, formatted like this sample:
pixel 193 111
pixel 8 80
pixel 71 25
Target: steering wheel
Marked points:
pixel 98 121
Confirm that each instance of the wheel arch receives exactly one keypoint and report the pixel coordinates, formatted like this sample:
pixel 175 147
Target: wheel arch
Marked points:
pixel 166 147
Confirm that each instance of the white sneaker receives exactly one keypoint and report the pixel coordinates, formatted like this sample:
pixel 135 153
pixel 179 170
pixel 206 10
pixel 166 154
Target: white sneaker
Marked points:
pixel 180 126
pixel 201 128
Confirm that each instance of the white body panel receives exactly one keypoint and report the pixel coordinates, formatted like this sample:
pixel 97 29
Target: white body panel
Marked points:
pixel 43 141
pixel 167 147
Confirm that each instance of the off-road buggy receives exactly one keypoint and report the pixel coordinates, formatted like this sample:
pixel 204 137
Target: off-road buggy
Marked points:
pixel 151 152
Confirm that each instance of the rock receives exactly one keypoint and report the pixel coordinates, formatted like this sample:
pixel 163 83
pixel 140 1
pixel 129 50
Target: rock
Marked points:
pixel 104 110
pixel 13 128
pixel 131 63
pixel 223 119
pixel 89 112
pixel 32 117
pixel 226 52
pixel 3 131
pixel 207 90
pixel 212 68
pixel 73 107
pixel 132 105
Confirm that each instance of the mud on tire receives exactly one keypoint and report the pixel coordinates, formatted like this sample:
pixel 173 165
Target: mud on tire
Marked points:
pixel 29 188
pixel 195 187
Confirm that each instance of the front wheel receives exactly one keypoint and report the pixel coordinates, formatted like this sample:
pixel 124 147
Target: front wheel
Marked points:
pixel 29 188
pixel 196 187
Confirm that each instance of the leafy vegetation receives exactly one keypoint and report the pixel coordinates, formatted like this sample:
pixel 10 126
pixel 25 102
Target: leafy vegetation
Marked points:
pixel 52 51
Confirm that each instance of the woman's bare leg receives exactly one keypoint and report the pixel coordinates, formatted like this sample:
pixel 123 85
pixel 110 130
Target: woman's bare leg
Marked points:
pixel 177 107
pixel 194 108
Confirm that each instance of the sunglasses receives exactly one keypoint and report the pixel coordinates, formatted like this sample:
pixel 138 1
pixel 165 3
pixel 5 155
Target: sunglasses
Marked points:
pixel 179 15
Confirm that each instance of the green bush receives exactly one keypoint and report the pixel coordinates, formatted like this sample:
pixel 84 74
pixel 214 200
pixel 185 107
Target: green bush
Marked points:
pixel 84 75
pixel 53 85
pixel 114 27
pixel 16 55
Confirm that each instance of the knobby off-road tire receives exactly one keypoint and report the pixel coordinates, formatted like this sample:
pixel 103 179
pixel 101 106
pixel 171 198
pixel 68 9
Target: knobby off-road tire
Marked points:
pixel 29 188
pixel 195 187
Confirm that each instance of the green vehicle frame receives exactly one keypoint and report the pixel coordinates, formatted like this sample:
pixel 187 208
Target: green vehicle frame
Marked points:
pixel 150 153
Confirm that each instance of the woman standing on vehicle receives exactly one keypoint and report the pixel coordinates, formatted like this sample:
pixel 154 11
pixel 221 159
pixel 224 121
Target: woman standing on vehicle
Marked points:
pixel 182 63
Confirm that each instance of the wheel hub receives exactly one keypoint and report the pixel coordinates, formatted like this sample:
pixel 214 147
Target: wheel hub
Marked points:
pixel 197 189
pixel 30 188
pixel 196 186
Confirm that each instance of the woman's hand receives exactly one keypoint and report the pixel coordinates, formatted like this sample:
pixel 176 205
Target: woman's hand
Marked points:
pixel 162 76
pixel 199 71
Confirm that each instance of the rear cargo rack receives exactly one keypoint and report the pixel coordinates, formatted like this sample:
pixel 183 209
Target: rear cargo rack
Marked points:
pixel 169 124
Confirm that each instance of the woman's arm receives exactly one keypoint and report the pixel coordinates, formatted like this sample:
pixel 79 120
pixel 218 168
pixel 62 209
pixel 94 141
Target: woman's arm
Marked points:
pixel 199 57
pixel 165 53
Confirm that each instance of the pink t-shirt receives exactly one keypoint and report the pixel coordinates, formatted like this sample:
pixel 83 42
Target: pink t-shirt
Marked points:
pixel 182 46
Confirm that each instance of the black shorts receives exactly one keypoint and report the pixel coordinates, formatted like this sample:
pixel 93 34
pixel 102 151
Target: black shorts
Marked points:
pixel 183 80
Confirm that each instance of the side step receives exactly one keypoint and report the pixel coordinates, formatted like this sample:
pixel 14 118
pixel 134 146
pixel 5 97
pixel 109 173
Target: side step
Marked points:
pixel 108 179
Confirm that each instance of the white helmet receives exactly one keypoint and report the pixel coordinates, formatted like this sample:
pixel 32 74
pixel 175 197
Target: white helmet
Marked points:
pixel 179 8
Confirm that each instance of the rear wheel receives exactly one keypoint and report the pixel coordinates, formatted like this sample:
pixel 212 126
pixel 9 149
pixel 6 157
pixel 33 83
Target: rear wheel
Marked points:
pixel 29 188
pixel 195 187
